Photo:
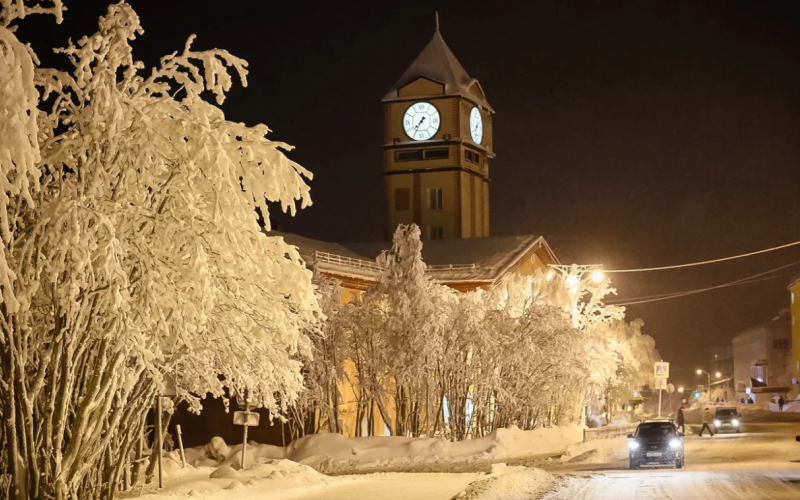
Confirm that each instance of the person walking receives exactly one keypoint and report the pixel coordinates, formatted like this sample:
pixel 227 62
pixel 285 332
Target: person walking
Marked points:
pixel 706 421
pixel 781 402
pixel 681 420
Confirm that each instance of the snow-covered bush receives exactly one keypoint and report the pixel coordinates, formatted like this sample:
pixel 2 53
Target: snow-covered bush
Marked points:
pixel 435 361
pixel 132 253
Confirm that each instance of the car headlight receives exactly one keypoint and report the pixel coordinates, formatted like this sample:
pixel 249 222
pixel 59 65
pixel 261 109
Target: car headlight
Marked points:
pixel 675 443
pixel 633 444
pixel 717 423
pixel 735 422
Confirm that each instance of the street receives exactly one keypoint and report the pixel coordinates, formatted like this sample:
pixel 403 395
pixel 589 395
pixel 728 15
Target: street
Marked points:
pixel 761 462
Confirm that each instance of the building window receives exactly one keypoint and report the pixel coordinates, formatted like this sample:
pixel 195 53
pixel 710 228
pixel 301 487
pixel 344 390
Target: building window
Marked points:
pixel 402 199
pixel 472 156
pixel 408 155
pixel 437 154
pixel 435 199
pixel 792 297
pixel 435 232
pixel 780 343
pixel 422 154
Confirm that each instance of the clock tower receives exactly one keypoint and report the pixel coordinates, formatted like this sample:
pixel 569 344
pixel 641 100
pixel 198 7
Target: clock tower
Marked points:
pixel 437 147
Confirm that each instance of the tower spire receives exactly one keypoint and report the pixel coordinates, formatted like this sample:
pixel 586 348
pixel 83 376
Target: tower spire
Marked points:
pixel 437 21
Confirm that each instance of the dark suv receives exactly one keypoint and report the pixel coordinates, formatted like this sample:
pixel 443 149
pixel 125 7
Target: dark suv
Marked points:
pixel 656 442
pixel 727 418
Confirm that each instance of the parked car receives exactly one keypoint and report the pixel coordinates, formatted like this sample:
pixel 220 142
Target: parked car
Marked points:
pixel 727 419
pixel 656 442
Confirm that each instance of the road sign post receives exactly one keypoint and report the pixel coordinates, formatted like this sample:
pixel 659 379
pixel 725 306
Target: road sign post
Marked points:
pixel 246 419
pixel 661 374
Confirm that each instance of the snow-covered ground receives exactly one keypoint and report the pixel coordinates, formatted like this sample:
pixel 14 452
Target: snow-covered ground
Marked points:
pixel 761 462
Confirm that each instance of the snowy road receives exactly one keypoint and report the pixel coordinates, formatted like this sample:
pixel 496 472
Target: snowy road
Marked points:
pixel 762 462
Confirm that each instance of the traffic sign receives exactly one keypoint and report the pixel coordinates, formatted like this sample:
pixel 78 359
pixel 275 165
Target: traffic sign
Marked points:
pixel 247 418
pixel 670 388
pixel 662 369
pixel 661 384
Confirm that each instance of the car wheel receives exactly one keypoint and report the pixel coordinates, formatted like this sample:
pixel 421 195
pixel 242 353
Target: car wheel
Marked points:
pixel 634 465
pixel 678 464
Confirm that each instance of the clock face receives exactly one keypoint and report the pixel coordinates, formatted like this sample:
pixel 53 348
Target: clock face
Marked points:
pixel 421 121
pixel 476 125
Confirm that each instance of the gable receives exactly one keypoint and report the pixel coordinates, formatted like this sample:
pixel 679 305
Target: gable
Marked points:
pixel 421 86
pixel 476 90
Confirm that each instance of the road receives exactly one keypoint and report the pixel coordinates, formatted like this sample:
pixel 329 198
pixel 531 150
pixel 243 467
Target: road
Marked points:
pixel 761 462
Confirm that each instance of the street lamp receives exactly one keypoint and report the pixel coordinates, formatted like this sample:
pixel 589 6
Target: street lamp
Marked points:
pixel 718 374
pixel 700 372
pixel 680 389
pixel 597 276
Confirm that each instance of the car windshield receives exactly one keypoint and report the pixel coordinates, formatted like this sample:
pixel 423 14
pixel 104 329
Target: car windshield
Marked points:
pixel 726 412
pixel 656 430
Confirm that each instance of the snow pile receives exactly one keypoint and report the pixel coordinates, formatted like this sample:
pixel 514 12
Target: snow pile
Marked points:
pixel 334 453
pixel 508 483
pixel 598 451
pixel 279 478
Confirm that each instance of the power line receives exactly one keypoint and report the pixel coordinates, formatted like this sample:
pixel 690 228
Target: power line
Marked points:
pixel 713 261
pixel 674 295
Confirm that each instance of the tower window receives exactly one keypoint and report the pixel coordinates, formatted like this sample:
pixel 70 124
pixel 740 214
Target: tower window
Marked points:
pixel 422 154
pixel 402 199
pixel 408 155
pixel 435 232
pixel 472 156
pixel 435 199
pixel 437 154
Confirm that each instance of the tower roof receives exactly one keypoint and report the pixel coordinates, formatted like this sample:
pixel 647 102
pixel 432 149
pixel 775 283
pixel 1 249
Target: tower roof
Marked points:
pixel 438 63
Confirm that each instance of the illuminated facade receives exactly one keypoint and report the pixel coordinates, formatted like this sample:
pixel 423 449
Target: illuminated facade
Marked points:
pixel 436 148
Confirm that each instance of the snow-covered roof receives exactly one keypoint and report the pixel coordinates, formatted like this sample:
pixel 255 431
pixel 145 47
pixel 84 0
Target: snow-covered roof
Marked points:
pixel 438 63
pixel 448 260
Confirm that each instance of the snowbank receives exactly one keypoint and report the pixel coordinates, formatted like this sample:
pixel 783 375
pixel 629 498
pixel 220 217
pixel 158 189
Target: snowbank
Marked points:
pixel 598 451
pixel 337 454
pixel 509 483
pixel 281 478
pixel 334 453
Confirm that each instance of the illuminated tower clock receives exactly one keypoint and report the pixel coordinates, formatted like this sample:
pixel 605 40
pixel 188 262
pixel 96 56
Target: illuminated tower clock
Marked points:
pixel 437 147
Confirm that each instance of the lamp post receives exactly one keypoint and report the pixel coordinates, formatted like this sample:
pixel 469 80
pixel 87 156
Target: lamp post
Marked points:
pixel 573 277
pixel 716 374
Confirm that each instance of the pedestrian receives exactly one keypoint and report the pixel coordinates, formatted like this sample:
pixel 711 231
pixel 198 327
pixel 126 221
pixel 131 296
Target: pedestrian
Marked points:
pixel 681 420
pixel 706 421
pixel 780 403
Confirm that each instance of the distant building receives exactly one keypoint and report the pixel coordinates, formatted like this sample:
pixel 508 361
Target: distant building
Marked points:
pixel 761 356
pixel 794 294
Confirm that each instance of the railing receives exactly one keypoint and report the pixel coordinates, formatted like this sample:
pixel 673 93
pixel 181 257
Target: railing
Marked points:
pixel 608 432
pixel 340 260
pixel 452 267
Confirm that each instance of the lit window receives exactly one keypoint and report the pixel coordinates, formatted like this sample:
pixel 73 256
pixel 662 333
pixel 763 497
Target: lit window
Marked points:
pixel 434 198
pixel 435 232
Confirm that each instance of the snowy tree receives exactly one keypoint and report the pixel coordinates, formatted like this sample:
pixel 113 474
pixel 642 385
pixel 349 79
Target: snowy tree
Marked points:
pixel 133 254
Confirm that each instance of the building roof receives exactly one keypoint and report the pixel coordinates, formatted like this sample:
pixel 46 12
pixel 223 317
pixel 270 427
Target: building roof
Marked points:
pixel 794 281
pixel 448 260
pixel 437 62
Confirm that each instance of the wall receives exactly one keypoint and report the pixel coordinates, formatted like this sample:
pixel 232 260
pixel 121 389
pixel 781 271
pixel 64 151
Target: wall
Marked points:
pixel 794 294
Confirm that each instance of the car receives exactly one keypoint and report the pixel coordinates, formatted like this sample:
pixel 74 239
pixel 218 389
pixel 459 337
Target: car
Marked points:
pixel 656 442
pixel 727 419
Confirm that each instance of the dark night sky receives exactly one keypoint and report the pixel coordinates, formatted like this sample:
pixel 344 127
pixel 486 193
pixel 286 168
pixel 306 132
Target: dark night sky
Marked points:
pixel 628 133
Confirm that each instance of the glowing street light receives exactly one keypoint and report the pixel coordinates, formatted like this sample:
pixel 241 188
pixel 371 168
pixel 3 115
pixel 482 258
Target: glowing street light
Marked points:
pixel 550 274
pixel 573 281
pixel 718 374
pixel 680 389
pixel 597 276
pixel 700 372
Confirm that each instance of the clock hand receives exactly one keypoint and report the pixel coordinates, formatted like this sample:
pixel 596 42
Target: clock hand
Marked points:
pixel 420 123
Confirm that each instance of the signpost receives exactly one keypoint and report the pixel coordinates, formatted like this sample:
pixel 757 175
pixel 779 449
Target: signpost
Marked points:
pixel 661 374
pixel 670 390
pixel 246 419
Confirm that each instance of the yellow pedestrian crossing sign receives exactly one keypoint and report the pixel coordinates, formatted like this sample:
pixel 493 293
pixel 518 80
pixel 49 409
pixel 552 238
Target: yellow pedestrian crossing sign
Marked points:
pixel 662 369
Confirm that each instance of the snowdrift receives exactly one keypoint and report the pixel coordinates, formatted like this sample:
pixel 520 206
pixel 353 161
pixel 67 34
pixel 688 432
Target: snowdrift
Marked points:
pixel 337 454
